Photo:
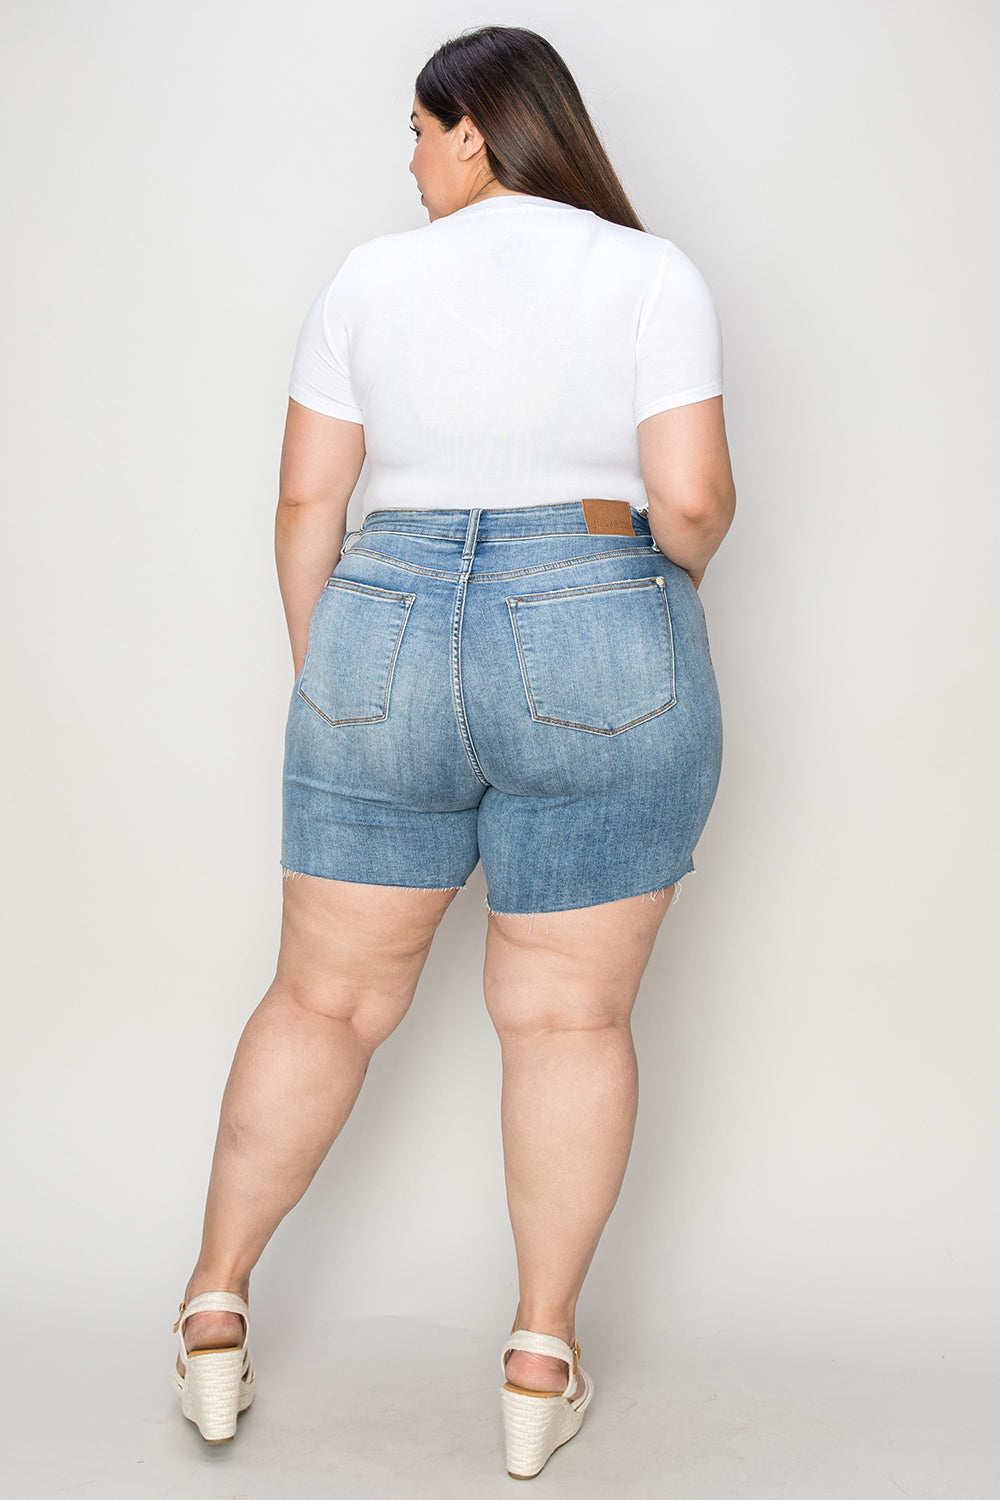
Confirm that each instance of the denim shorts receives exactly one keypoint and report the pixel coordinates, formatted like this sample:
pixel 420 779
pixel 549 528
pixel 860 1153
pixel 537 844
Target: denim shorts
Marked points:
pixel 503 684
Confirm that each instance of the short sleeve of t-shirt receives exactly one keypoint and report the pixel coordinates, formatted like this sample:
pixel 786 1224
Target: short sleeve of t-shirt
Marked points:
pixel 679 340
pixel 321 375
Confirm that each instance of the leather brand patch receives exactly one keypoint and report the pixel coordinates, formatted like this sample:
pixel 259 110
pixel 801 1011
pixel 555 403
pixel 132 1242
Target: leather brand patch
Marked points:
pixel 608 517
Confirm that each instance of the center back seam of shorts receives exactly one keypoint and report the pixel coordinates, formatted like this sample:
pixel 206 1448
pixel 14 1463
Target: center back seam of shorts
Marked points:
pixel 458 613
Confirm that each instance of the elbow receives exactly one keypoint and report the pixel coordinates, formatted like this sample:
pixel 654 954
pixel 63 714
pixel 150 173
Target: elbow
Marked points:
pixel 719 516
pixel 706 512
pixel 713 507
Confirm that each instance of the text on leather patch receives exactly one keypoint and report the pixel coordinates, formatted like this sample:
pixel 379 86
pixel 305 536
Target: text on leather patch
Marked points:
pixel 608 517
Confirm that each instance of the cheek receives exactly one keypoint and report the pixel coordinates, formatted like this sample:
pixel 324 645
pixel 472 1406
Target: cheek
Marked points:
pixel 425 153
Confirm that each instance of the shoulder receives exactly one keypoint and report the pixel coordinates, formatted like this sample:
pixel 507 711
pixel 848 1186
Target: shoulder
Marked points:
pixel 640 244
pixel 365 270
pixel 653 258
pixel 372 258
pixel 677 280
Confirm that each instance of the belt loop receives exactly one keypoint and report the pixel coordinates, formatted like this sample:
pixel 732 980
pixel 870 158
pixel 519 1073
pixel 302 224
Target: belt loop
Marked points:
pixel 645 514
pixel 471 532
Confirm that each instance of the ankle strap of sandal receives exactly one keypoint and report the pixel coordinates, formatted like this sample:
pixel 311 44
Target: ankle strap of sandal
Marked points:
pixel 214 1302
pixel 543 1343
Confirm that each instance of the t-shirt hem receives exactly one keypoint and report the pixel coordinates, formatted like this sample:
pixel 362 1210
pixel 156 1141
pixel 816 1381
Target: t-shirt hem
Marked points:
pixel 324 405
pixel 685 398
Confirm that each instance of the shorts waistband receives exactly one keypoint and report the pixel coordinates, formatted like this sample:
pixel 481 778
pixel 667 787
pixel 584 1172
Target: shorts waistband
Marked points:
pixel 501 523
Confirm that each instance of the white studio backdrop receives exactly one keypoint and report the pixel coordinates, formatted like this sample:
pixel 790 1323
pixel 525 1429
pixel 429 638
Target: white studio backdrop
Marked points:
pixel 814 1167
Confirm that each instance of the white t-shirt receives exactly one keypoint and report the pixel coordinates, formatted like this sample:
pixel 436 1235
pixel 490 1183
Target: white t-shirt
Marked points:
pixel 505 353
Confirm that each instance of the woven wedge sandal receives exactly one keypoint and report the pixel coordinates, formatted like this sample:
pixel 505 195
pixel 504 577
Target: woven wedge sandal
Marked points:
pixel 217 1384
pixel 536 1423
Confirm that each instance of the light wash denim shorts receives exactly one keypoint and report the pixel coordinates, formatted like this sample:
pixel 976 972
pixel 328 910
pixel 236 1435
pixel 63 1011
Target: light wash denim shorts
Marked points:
pixel 503 684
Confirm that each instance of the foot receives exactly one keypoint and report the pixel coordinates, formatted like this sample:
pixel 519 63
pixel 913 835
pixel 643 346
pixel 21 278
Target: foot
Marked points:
pixel 539 1372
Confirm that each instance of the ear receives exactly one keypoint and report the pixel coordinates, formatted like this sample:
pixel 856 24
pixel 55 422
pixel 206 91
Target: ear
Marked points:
pixel 469 138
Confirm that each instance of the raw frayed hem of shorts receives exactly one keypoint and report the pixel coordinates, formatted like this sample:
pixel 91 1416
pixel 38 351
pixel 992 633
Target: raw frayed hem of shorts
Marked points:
pixel 287 874
pixel 653 896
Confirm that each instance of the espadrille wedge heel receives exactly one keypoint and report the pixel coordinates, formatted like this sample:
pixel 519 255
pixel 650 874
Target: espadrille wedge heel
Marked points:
pixel 217 1384
pixel 536 1423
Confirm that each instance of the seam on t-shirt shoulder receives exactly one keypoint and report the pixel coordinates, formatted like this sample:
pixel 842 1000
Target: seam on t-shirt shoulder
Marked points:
pixel 326 297
pixel 326 327
pixel 651 297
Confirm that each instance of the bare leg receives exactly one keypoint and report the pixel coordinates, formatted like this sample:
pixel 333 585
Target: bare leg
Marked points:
pixel 560 990
pixel 348 964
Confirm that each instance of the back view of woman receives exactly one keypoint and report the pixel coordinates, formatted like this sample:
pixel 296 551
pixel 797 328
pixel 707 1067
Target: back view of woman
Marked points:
pixel 507 662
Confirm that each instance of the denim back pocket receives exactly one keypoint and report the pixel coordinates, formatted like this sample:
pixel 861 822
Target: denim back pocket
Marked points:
pixel 354 638
pixel 600 657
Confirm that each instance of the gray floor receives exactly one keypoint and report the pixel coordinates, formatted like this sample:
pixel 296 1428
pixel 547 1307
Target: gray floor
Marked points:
pixel 354 1414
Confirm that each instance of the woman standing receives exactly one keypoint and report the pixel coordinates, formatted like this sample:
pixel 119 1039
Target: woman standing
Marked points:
pixel 508 661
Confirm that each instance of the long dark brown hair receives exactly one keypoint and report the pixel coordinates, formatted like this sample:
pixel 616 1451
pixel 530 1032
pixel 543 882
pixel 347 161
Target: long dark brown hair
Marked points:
pixel 520 94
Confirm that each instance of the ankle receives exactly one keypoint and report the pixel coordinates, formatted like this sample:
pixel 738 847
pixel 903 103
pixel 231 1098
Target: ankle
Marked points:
pixel 215 1281
pixel 542 1320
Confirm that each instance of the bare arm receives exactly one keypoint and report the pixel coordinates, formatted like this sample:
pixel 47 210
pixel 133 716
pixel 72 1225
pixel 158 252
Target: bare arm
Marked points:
pixel 321 459
pixel 684 458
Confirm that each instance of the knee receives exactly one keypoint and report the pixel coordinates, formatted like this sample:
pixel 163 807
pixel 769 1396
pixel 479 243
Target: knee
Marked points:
pixel 371 1014
pixel 521 1016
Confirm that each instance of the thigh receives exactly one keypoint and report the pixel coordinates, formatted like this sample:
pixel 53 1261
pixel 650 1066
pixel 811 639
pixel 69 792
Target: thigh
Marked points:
pixel 355 951
pixel 578 968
